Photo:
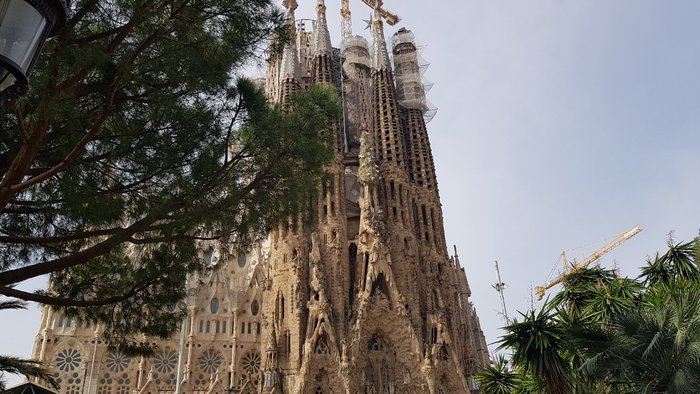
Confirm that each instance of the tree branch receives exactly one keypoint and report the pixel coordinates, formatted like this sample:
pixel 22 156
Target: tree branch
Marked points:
pixel 66 302
pixel 57 238
pixel 77 149
pixel 61 263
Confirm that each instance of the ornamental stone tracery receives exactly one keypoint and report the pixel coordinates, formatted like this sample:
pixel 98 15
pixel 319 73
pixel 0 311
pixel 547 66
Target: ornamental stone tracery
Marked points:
pixel 210 361
pixel 251 363
pixel 117 362
pixel 68 360
pixel 165 361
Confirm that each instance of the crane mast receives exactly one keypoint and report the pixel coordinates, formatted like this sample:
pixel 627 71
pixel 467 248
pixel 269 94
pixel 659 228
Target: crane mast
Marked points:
pixel 619 239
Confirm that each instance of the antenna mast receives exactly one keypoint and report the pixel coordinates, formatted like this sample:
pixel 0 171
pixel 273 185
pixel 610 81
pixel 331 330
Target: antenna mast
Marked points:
pixel 500 286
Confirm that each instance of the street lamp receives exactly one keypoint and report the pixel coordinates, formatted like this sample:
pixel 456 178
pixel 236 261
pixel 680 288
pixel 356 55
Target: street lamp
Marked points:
pixel 24 26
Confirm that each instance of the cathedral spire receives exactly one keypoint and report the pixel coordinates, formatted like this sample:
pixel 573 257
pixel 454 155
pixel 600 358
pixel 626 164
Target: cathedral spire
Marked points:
pixel 410 94
pixel 289 67
pixel 380 55
pixel 271 375
pixel 322 66
pixel 387 133
pixel 322 38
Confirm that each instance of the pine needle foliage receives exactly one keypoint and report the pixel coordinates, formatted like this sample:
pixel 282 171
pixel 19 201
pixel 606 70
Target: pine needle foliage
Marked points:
pixel 137 141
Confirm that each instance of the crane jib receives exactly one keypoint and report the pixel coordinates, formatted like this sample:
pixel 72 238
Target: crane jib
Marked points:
pixel 619 239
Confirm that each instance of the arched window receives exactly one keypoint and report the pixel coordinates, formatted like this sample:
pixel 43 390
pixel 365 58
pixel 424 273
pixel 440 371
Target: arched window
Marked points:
pixel 255 307
pixel 282 309
pixel 214 305
pixel 241 260
pixel 289 342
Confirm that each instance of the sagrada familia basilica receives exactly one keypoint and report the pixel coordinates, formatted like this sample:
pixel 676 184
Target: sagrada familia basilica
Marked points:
pixel 364 300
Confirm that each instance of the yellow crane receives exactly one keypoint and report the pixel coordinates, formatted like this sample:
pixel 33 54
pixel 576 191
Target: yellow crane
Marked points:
pixel 390 18
pixel 619 239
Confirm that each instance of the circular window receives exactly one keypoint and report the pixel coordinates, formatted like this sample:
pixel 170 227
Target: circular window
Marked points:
pixel 210 361
pixel 214 305
pixel 251 362
pixel 117 362
pixel 165 361
pixel 241 260
pixel 68 360
pixel 254 307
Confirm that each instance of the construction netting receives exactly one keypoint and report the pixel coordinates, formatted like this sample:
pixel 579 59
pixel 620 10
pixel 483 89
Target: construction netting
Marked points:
pixel 356 51
pixel 409 67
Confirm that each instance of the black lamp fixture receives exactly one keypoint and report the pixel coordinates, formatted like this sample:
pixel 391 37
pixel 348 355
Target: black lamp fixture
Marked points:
pixel 24 27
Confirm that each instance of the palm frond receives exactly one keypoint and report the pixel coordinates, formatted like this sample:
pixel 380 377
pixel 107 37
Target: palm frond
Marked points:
pixel 28 368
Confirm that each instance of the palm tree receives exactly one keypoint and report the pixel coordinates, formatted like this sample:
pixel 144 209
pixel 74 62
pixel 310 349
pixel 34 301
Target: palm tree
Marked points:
pixel 18 366
pixel 497 378
pixel 591 295
pixel 612 298
pixel 678 263
pixel 537 346
pixel 607 334
pixel 655 348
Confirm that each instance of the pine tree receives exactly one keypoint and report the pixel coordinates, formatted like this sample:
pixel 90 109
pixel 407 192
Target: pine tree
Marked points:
pixel 137 141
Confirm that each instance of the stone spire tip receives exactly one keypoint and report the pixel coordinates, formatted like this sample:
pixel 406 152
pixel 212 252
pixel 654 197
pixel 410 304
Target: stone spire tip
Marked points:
pixel 322 37
pixel 380 55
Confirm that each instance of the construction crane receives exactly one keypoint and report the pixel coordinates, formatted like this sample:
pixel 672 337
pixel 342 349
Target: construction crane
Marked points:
pixel 619 239
pixel 390 18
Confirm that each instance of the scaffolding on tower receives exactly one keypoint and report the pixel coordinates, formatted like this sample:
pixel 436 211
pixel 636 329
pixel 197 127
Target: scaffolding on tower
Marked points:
pixel 410 67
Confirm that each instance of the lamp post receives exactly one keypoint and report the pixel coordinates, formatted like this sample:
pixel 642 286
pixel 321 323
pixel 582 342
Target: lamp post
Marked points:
pixel 24 27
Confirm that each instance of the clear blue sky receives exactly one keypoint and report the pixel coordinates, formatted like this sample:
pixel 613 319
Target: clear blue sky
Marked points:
pixel 560 123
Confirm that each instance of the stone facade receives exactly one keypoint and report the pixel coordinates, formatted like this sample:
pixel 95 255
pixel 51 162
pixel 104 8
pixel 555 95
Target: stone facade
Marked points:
pixel 359 295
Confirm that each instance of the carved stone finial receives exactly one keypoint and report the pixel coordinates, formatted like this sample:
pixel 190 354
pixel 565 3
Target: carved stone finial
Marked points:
pixel 290 4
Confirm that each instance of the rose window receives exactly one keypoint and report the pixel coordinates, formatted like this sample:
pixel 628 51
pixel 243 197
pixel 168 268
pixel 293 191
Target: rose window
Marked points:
pixel 68 360
pixel 117 362
pixel 251 363
pixel 165 361
pixel 210 361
